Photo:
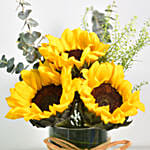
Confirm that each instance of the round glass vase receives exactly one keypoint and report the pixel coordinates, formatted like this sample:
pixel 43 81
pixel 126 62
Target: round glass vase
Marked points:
pixel 80 137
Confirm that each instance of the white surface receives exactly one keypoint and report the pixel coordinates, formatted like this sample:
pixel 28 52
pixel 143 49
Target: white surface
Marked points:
pixel 54 17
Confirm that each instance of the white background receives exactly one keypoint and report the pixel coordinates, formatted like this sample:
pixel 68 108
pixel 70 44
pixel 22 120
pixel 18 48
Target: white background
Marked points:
pixel 54 17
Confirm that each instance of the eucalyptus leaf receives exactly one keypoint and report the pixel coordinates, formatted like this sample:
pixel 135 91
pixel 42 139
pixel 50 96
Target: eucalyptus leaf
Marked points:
pixel 20 39
pixel 20 78
pixel 25 53
pixel 36 34
pixel 10 68
pixel 10 64
pixel 30 49
pixel 24 15
pixel 32 22
pixel 19 68
pixel 31 57
pixel 2 65
pixel 3 62
pixel 4 58
pixel 29 38
pixel 22 46
pixel 37 53
pixel 101 26
pixel 26 3
pixel 36 65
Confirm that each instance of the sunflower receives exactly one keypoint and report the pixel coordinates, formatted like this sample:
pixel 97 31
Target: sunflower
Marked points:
pixel 73 48
pixel 42 93
pixel 106 93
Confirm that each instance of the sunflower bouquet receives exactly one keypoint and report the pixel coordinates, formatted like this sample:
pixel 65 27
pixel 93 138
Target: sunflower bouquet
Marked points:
pixel 77 81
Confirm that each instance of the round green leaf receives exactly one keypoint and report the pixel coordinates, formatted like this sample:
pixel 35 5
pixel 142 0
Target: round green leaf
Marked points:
pixel 10 68
pixel 32 22
pixel 29 38
pixel 3 62
pixel 20 78
pixel 36 34
pixel 19 68
pixel 24 15
pixel 31 57
pixel 36 65
pixel 10 64
pixel 26 3
pixel 3 65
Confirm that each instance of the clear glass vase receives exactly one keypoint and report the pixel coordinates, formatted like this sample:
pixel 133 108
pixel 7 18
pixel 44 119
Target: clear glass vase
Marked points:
pixel 80 137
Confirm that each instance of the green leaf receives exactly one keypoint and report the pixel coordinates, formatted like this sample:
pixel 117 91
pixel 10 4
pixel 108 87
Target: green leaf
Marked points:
pixel 22 46
pixel 3 58
pixel 24 15
pixel 32 22
pixel 25 53
pixel 19 68
pixel 20 78
pixel 3 62
pixel 10 64
pixel 3 65
pixel 26 3
pixel 20 39
pixel 36 34
pixel 31 57
pixel 36 65
pixel 37 53
pixel 29 38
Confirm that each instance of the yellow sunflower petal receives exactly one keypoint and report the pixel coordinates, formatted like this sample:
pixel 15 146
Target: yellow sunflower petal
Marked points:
pixel 135 100
pixel 94 38
pixel 67 39
pixel 16 113
pixel 117 76
pixel 49 75
pixel 128 109
pixel 118 116
pixel 84 40
pixel 55 42
pixel 125 89
pixel 32 78
pixel 60 108
pixel 99 73
pixel 24 90
pixel 13 102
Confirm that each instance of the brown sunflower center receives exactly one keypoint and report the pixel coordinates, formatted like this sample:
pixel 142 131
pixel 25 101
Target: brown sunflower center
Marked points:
pixel 48 95
pixel 105 94
pixel 76 53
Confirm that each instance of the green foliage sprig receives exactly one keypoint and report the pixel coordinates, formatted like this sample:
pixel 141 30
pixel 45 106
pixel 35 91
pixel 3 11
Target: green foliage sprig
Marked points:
pixel 27 40
pixel 11 67
pixel 125 48
pixel 85 24
pixel 102 23
pixel 140 85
